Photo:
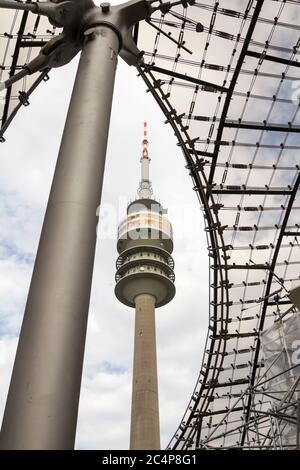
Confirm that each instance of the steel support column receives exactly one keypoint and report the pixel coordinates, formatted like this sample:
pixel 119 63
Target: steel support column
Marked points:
pixel 42 404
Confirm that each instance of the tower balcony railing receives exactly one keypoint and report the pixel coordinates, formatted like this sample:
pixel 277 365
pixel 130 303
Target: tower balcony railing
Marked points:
pixel 141 252
pixel 143 267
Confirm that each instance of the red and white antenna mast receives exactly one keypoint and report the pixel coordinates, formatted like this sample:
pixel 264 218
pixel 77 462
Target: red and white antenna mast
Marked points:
pixel 145 187
pixel 145 142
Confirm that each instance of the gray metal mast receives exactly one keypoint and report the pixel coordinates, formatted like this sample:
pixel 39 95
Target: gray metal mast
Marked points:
pixel 42 404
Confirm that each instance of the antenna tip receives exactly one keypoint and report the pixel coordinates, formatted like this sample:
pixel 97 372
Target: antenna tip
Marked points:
pixel 145 142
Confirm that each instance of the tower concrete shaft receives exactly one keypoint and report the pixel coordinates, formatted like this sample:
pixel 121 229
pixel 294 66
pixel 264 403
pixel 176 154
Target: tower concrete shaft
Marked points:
pixel 144 433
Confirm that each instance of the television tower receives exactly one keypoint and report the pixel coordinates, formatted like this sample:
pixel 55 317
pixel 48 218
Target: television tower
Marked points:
pixel 145 281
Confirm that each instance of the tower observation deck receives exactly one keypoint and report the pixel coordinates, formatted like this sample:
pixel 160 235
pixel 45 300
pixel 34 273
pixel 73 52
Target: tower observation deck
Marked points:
pixel 145 280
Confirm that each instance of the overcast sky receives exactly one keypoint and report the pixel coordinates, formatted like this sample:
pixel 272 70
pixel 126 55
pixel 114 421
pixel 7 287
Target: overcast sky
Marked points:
pixel 27 163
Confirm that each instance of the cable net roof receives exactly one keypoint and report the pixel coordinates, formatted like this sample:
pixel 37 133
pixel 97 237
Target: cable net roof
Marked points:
pixel 228 82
